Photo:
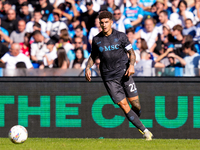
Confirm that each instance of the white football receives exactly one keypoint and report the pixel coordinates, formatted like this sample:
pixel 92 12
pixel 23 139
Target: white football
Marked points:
pixel 18 134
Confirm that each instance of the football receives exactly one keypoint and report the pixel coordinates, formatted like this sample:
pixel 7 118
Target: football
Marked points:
pixel 18 134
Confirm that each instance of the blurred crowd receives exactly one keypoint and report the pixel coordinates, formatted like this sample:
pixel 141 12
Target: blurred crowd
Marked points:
pixel 58 33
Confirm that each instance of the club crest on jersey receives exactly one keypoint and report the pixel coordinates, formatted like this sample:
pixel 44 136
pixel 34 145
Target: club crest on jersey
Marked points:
pixel 116 40
pixel 109 48
pixel 101 49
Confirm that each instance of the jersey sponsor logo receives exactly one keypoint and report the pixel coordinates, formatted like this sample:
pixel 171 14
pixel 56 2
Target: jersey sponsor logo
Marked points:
pixel 109 48
pixel 131 11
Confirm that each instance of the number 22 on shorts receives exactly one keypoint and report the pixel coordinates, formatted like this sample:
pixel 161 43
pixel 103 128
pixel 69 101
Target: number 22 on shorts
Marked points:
pixel 133 87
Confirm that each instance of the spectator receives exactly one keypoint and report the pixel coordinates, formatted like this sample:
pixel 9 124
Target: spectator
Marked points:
pixel 79 62
pixel 4 36
pixel 182 15
pixel 94 30
pixel 142 46
pixel 160 5
pixel 18 35
pixel 78 42
pixel 130 33
pixel 95 67
pixel 37 18
pixel 24 14
pixel 134 13
pixel 38 48
pixel 14 56
pixel 69 11
pixel 163 18
pixel 54 28
pixel 189 28
pixel 190 62
pixel 145 66
pixel 174 8
pixel 50 56
pixel 20 3
pixel 25 46
pixel 10 24
pixel 61 61
pixel 146 5
pixel 196 10
pixel 37 26
pixel 71 27
pixel 79 33
pixel 119 21
pixel 149 33
pixel 109 6
pixel 88 18
pixel 65 41
pixel 46 9
pixel 20 65
pixel 6 6
pixel 177 32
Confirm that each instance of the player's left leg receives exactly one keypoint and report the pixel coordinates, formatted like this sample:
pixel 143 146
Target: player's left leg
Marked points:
pixel 136 107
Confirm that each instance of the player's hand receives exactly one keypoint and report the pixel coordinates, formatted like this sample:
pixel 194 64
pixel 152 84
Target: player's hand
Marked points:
pixel 87 74
pixel 130 71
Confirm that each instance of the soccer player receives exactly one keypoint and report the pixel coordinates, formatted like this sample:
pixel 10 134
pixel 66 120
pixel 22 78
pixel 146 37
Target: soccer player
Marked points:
pixel 112 46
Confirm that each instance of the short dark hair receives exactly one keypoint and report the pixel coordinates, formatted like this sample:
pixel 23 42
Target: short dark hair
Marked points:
pixel 36 32
pixel 143 44
pixel 178 27
pixel 188 38
pixel 36 24
pixel 189 44
pixel 132 30
pixel 164 12
pixel 20 65
pixel 24 4
pixel 105 14
pixel 188 19
pixel 79 27
pixel 6 2
pixel 37 11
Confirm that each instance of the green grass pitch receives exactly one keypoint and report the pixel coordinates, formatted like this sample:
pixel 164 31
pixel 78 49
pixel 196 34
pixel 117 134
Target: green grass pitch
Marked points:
pixel 100 144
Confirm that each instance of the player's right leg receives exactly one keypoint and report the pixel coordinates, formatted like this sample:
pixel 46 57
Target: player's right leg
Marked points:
pixel 117 94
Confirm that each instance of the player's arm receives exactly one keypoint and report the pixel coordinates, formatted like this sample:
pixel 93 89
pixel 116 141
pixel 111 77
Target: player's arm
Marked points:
pixel 87 69
pixel 90 62
pixel 132 58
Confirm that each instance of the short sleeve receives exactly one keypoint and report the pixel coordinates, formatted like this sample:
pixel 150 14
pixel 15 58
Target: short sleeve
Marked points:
pixel 28 63
pixel 124 13
pixel 33 49
pixel 140 13
pixel 95 50
pixel 5 57
pixel 125 42
pixel 49 24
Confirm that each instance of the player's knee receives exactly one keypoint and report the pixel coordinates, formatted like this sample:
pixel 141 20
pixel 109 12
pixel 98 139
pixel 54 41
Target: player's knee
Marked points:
pixel 136 106
pixel 124 105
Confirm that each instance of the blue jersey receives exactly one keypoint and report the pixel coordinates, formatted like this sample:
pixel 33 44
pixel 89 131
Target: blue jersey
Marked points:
pixel 133 13
pixel 147 3
pixel 4 32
